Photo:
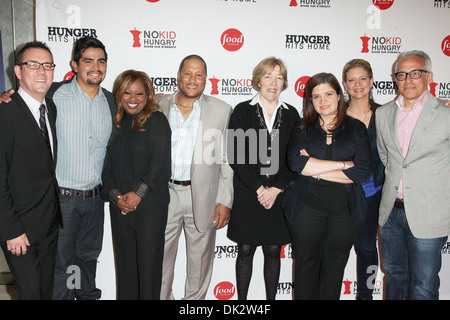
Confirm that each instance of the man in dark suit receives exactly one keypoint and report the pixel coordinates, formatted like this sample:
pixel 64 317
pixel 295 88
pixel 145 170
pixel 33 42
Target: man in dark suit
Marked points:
pixel 29 205
pixel 83 141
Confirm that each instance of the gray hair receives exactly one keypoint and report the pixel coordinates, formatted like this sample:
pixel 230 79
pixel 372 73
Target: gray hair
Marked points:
pixel 416 53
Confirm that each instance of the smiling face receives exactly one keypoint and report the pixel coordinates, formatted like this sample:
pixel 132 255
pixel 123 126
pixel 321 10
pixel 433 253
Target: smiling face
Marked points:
pixel 134 97
pixel 271 85
pixel 412 89
pixel 192 79
pixel 91 69
pixel 325 101
pixel 358 83
pixel 35 82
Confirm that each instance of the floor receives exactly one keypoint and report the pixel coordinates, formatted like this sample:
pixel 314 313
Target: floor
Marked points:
pixel 7 291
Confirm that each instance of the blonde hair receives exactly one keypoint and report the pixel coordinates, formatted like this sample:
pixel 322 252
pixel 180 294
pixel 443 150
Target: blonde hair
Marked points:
pixel 266 66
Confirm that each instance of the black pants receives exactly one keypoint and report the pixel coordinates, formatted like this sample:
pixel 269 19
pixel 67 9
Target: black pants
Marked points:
pixel 322 240
pixel 139 249
pixel 34 272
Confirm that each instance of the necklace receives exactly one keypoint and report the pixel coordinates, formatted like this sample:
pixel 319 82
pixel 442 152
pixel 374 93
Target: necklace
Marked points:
pixel 276 127
pixel 187 107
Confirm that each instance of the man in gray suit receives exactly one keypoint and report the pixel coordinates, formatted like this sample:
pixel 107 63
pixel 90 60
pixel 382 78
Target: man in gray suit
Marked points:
pixel 201 187
pixel 413 142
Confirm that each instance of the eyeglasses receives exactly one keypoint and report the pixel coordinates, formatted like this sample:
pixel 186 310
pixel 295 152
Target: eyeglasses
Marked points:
pixel 414 74
pixel 34 65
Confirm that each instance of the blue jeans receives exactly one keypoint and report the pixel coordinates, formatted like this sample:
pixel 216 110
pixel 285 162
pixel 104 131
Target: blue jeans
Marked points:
pixel 412 265
pixel 79 245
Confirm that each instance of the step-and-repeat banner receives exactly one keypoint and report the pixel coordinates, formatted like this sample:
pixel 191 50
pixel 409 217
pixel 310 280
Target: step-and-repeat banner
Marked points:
pixel 310 36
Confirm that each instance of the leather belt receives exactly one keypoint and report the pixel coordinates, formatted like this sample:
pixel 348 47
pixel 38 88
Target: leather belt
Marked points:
pixel 181 183
pixel 81 194
pixel 399 204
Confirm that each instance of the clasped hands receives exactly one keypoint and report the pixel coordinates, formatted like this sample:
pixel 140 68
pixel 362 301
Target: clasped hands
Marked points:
pixel 267 196
pixel 128 202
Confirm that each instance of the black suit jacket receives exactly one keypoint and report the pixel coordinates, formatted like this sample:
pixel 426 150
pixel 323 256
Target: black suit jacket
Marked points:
pixel 28 188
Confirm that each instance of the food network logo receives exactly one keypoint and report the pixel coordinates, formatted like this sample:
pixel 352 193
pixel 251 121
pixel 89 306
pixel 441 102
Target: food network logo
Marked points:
pixel 232 40
pixel 154 39
pixel 383 4
pixel 388 44
pixel 224 290
pixel 445 46
pixel 300 85
pixel 231 86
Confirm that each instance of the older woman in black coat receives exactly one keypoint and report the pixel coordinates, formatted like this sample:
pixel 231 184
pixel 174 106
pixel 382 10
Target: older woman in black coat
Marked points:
pixel 261 175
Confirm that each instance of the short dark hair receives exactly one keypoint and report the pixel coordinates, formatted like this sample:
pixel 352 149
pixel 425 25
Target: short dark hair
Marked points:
pixel 189 57
pixel 31 45
pixel 85 43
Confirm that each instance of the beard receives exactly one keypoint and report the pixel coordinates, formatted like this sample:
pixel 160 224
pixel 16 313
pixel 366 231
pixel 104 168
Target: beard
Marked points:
pixel 97 80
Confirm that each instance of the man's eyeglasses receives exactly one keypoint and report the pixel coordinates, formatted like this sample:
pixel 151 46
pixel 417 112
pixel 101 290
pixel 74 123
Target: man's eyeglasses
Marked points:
pixel 33 65
pixel 414 74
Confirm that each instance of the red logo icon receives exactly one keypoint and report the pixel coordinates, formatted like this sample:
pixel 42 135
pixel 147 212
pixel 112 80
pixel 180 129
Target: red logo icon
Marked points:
pixel 214 85
pixel 383 4
pixel 365 44
pixel 300 85
pixel 136 38
pixel 433 86
pixel 446 46
pixel 232 40
pixel 347 287
pixel 152 0
pixel 224 290
pixel 69 75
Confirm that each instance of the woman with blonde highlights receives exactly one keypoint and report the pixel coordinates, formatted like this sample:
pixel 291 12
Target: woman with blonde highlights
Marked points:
pixel 357 78
pixel 135 178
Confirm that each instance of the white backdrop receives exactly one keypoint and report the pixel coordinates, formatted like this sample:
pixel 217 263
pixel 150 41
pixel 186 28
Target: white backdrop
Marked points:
pixel 310 36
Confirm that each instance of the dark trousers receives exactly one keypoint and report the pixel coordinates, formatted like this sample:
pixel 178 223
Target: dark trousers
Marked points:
pixel 139 249
pixel 33 272
pixel 366 249
pixel 322 240
pixel 79 245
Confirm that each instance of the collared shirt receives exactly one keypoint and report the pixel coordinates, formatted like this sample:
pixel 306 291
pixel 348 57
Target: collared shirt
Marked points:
pixel 34 106
pixel 184 134
pixel 269 122
pixel 83 128
pixel 406 122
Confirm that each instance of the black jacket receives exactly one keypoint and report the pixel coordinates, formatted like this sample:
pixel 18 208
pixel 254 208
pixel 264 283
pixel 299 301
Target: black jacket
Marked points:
pixel 28 188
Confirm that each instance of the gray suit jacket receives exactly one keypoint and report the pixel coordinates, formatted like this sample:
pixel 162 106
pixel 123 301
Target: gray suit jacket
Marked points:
pixel 425 170
pixel 211 178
